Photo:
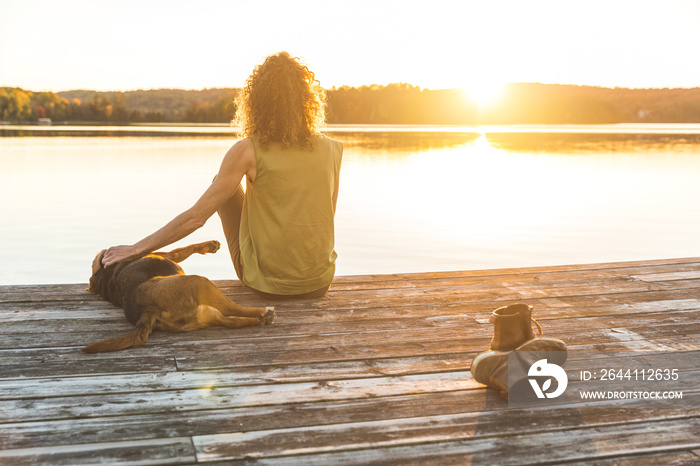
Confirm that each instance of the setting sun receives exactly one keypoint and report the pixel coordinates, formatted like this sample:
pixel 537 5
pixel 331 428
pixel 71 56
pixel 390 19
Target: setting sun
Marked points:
pixel 483 93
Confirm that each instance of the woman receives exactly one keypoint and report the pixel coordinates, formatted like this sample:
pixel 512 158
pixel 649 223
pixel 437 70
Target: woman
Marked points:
pixel 280 231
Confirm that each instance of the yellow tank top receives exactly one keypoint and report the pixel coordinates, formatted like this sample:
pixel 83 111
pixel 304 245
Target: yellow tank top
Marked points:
pixel 287 234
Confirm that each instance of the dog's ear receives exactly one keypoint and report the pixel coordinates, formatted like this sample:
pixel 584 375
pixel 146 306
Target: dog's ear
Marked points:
pixel 97 262
pixel 96 267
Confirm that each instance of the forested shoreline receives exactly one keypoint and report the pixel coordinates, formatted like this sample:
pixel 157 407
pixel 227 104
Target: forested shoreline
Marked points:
pixel 524 103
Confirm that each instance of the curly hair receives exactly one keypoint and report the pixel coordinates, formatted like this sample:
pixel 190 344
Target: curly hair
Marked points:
pixel 282 103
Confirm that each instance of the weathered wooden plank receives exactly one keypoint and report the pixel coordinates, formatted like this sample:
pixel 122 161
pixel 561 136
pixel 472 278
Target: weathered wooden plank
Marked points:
pixel 676 285
pixel 549 447
pixel 156 451
pixel 668 276
pixel 217 397
pixel 581 287
pixel 22 388
pixel 58 362
pixel 82 312
pixel 592 267
pixel 599 282
pixel 454 279
pixel 10 293
pixel 669 458
pixel 609 304
pixel 214 357
pixel 237 418
pixel 382 434
pixel 631 308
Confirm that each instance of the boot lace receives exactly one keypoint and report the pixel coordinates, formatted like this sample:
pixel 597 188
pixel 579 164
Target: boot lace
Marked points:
pixel 539 327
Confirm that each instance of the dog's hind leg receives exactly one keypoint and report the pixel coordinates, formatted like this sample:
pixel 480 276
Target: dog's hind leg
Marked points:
pixel 216 298
pixel 208 316
pixel 266 315
pixel 180 254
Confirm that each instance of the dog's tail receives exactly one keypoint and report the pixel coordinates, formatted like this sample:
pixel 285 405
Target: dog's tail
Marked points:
pixel 138 336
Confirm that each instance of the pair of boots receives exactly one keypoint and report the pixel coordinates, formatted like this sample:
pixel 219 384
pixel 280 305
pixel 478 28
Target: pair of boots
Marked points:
pixel 513 332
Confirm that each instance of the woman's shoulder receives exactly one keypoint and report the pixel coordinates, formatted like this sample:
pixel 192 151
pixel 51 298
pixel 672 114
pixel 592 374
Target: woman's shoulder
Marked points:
pixel 246 143
pixel 330 141
pixel 242 151
pixel 244 146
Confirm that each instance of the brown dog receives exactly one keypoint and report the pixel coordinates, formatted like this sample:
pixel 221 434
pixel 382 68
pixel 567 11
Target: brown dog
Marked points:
pixel 157 295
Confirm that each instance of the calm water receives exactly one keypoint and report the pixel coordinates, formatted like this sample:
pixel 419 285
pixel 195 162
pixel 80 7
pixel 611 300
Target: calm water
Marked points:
pixel 411 199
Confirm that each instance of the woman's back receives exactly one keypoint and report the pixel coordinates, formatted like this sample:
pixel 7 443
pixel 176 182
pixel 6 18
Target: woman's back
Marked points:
pixel 287 231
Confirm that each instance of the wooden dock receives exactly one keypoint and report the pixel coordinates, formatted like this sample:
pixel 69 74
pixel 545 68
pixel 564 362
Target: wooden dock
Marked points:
pixel 376 372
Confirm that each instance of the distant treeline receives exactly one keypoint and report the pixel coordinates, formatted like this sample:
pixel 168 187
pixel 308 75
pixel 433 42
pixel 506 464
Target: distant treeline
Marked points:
pixel 392 104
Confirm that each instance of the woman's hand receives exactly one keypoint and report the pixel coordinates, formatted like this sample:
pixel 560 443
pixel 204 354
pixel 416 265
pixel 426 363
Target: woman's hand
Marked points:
pixel 118 253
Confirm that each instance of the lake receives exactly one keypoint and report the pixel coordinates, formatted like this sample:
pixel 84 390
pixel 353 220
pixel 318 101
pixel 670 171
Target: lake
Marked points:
pixel 412 199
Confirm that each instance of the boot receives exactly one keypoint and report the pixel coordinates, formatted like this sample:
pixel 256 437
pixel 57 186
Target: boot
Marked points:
pixel 512 327
pixel 515 378
pixel 512 331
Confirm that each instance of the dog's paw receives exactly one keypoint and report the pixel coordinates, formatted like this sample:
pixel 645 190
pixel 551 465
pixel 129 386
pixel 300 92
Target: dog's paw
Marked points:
pixel 269 317
pixel 210 247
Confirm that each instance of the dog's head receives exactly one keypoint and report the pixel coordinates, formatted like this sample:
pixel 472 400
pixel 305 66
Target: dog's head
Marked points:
pixel 97 272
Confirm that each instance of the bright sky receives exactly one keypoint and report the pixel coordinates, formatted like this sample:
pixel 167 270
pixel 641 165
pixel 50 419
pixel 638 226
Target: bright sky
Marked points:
pixel 124 44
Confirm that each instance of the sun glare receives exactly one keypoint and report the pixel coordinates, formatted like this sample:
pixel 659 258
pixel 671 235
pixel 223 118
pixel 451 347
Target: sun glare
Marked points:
pixel 484 93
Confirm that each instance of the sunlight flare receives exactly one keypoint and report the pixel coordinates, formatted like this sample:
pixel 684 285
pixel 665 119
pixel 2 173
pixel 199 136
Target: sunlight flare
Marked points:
pixel 483 92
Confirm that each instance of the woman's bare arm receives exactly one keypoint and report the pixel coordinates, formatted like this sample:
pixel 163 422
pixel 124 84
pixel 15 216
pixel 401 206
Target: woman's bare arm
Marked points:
pixel 238 161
